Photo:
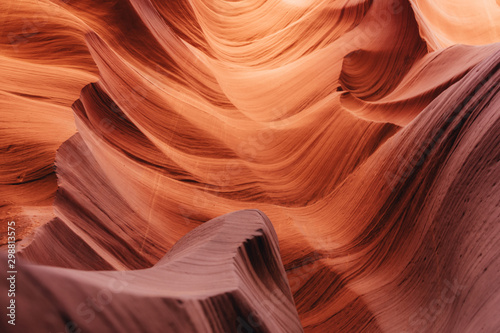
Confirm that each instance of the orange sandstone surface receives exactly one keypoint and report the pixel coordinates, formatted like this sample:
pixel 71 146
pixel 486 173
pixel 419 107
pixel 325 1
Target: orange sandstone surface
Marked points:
pixel 251 166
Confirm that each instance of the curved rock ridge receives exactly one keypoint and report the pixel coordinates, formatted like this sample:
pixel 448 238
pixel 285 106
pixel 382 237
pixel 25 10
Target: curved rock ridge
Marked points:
pixel 44 63
pixel 420 86
pixel 420 221
pixel 447 22
pixel 224 276
pixel 367 130
pixel 426 245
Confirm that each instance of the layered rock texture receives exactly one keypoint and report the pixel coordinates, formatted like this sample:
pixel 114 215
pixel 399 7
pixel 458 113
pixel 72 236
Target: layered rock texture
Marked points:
pixel 224 276
pixel 368 131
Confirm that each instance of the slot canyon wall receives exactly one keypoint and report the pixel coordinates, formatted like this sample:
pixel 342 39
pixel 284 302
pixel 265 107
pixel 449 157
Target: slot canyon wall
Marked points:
pixel 354 145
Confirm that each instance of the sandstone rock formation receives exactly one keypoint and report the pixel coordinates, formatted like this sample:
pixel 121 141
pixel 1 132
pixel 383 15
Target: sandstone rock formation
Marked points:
pixel 224 276
pixel 366 130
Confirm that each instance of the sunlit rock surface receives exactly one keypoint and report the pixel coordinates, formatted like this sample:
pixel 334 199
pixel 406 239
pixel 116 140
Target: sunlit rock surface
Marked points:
pixel 367 131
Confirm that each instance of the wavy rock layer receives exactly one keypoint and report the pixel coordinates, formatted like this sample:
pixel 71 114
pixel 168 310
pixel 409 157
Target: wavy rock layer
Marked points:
pixel 44 63
pixel 363 129
pixel 224 276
